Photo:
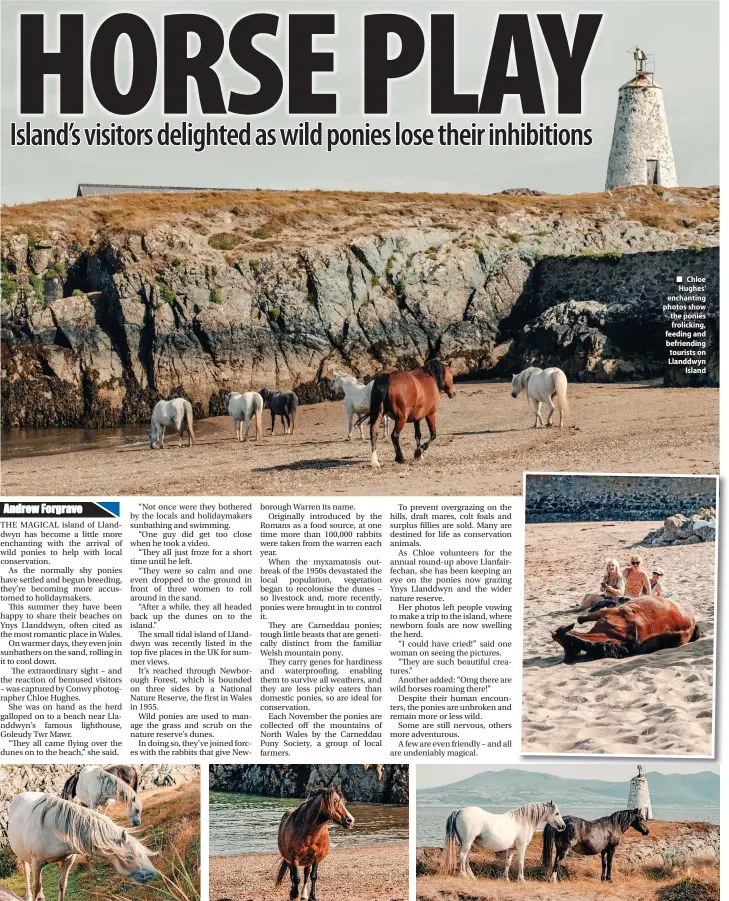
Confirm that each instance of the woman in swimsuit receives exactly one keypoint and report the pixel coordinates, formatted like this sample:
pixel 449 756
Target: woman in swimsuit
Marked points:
pixel 612 586
pixel 636 580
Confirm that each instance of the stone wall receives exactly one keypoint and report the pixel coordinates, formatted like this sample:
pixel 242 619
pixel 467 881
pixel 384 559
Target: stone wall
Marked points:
pixel 378 783
pixel 578 498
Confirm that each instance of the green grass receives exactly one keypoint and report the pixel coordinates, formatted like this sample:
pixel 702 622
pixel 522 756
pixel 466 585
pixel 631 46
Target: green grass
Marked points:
pixel 515 237
pixel 36 283
pixel 608 256
pixel 166 294
pixel 696 248
pixel 215 296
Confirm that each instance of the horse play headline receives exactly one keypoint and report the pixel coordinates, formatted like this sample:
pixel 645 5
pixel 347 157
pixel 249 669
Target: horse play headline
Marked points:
pixel 188 135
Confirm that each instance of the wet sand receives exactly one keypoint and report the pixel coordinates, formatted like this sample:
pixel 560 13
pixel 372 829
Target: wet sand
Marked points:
pixel 659 703
pixel 485 442
pixel 375 873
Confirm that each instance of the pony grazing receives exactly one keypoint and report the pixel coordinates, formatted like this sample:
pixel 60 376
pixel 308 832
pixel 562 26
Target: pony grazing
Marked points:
pixel 356 402
pixel 409 397
pixel 543 386
pixel 44 829
pixel 176 412
pixel 507 832
pixel 243 408
pixel 639 626
pixel 97 789
pixel 283 404
pixel 589 837
pixel 303 837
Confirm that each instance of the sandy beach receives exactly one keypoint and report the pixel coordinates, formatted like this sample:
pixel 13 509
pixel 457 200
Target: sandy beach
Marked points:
pixel 375 873
pixel 485 442
pixel 659 703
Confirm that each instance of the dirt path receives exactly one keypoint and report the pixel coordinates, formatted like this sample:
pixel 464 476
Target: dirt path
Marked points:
pixel 376 873
pixel 484 445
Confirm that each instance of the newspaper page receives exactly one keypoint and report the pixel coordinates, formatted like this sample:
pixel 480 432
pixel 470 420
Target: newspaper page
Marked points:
pixel 360 451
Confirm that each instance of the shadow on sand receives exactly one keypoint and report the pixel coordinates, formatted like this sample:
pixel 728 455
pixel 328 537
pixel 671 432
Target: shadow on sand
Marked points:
pixel 299 465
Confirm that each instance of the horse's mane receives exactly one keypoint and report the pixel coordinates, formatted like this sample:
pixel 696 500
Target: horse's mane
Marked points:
pixel 622 818
pixel 326 795
pixel 436 369
pixel 532 814
pixel 88 832
pixel 115 787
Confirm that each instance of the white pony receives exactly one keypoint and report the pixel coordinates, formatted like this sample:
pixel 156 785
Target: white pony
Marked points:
pixel 97 789
pixel 356 401
pixel 242 408
pixel 508 832
pixel 176 412
pixel 542 387
pixel 45 829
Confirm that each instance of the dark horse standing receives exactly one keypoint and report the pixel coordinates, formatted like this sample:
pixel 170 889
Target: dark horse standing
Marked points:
pixel 590 837
pixel 122 771
pixel 409 397
pixel 283 404
pixel 303 837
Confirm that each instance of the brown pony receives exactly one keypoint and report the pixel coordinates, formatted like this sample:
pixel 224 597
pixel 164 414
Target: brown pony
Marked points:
pixel 409 397
pixel 638 626
pixel 303 837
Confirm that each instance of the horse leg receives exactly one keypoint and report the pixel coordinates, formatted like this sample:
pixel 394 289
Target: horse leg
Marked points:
pixel 305 889
pixel 552 408
pixel 294 893
pixel 350 423
pixel 464 868
pixel 399 426
pixel 64 867
pixel 418 452
pixel 430 419
pixel 538 413
pixel 604 866
pixel 508 864
pixel 287 427
pixel 314 876
pixel 248 425
pixel 36 883
pixel 26 871
pixel 610 853
pixel 273 421
pixel 521 850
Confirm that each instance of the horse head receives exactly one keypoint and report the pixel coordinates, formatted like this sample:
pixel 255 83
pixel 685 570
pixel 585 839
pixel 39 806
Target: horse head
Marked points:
pixel 266 394
pixel 153 436
pixel 336 807
pixel 638 823
pixel 516 384
pixel 134 809
pixel 442 374
pixel 554 817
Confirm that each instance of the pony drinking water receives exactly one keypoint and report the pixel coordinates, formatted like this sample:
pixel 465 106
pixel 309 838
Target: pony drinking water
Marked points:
pixel 97 789
pixel 590 837
pixel 409 397
pixel 508 832
pixel 44 829
pixel 356 402
pixel 543 386
pixel 176 412
pixel 243 408
pixel 303 837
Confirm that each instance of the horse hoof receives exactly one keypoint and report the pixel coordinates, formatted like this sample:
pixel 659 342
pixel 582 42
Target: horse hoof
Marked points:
pixel 400 460
pixel 418 453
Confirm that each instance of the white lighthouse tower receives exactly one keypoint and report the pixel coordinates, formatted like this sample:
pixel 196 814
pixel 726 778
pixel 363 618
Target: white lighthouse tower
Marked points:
pixel 638 795
pixel 641 152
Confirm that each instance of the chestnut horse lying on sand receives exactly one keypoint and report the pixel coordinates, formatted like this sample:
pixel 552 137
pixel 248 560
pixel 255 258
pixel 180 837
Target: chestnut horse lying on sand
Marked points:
pixel 303 837
pixel 408 397
pixel 639 626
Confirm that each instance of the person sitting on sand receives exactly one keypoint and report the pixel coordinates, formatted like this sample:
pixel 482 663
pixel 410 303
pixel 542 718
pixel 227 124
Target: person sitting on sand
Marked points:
pixel 636 580
pixel 612 586
pixel 656 576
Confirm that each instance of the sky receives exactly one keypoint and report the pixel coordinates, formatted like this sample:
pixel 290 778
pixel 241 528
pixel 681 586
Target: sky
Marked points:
pixel 683 35
pixel 431 775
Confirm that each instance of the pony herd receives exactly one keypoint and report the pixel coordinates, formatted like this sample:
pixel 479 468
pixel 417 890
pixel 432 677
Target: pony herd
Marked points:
pixel 395 396
pixel 511 832
pixel 44 828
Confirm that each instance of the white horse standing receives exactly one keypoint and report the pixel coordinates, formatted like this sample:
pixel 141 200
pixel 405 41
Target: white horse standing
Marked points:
pixel 98 790
pixel 508 832
pixel 45 829
pixel 242 408
pixel 356 401
pixel 543 386
pixel 176 412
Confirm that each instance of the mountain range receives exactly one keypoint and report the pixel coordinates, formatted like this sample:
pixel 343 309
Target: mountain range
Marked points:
pixel 512 788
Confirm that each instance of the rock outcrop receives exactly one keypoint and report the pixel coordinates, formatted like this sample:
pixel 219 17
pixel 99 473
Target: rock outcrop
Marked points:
pixel 111 303
pixel 374 783
pixel 680 529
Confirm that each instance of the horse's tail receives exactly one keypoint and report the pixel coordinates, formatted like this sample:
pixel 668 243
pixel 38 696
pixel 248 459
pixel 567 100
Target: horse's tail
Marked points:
pixel 560 389
pixel 449 857
pixel 69 789
pixel 282 871
pixel 188 419
pixel 548 848
pixel 378 395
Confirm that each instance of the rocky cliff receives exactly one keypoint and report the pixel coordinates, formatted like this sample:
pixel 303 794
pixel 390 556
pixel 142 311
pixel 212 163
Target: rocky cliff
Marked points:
pixel 381 783
pixel 110 303
pixel 18 778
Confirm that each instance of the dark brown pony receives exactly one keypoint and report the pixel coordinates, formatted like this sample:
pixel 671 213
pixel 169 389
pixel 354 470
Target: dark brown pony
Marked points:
pixel 638 626
pixel 409 397
pixel 303 837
